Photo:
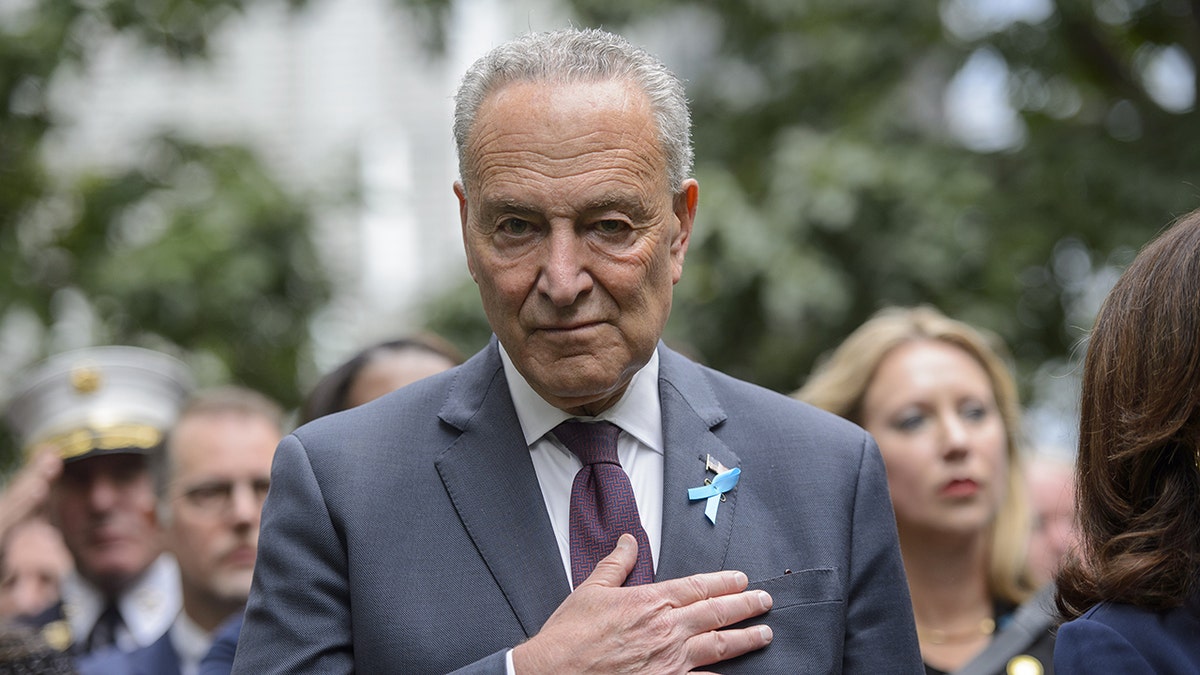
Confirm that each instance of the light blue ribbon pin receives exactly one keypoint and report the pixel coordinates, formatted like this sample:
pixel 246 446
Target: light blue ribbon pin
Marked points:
pixel 721 483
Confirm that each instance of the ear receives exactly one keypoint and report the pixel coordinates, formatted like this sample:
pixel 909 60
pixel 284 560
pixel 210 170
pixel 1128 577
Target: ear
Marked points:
pixel 685 211
pixel 461 193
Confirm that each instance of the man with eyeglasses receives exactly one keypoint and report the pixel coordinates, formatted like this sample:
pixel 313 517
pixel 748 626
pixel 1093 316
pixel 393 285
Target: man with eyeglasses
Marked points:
pixel 211 481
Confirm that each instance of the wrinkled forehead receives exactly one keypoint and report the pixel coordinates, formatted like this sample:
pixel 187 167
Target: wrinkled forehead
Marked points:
pixel 561 126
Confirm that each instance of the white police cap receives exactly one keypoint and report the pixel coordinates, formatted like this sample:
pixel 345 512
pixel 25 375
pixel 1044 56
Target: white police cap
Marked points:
pixel 99 400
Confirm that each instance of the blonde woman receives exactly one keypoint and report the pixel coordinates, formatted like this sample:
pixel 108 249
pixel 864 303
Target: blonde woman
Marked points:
pixel 941 402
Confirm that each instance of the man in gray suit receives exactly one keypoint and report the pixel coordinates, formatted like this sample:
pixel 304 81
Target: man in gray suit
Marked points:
pixel 435 529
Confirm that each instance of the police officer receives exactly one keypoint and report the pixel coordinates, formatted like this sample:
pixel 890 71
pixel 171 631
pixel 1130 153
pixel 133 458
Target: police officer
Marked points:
pixel 95 416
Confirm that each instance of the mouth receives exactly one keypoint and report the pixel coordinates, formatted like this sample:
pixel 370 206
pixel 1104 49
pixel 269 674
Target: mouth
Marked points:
pixel 959 488
pixel 107 537
pixel 573 327
pixel 573 324
pixel 242 556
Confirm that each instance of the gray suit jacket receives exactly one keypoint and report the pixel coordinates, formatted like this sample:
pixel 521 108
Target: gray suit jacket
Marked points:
pixel 409 535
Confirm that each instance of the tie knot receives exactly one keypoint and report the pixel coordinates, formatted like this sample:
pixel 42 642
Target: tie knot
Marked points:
pixel 104 632
pixel 591 442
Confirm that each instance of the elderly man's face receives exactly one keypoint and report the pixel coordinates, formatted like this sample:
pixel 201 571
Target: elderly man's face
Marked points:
pixel 573 234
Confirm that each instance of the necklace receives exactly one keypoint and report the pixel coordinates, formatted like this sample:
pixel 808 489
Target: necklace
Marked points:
pixel 940 637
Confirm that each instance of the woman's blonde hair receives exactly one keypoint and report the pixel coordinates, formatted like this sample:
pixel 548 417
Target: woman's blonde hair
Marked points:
pixel 840 382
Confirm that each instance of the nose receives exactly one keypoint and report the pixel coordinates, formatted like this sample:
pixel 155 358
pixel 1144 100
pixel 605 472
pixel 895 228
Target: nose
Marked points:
pixel 245 507
pixel 564 276
pixel 955 437
pixel 102 493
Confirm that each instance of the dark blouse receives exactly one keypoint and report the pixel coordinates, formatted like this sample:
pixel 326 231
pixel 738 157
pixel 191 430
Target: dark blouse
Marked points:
pixel 1039 647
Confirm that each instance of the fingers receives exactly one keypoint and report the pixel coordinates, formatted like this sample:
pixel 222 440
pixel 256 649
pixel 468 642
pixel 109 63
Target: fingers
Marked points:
pixel 728 603
pixel 603 627
pixel 31 486
pixel 703 605
pixel 29 490
pixel 45 465
pixel 705 602
pixel 716 646
pixel 693 589
pixel 613 568
pixel 723 610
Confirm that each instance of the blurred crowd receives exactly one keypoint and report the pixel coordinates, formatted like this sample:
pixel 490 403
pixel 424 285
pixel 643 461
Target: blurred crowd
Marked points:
pixel 129 536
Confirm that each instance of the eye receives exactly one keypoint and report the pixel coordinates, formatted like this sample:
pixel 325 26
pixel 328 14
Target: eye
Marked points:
pixel 207 492
pixel 515 226
pixel 209 495
pixel 909 422
pixel 127 473
pixel 261 487
pixel 974 412
pixel 73 481
pixel 610 226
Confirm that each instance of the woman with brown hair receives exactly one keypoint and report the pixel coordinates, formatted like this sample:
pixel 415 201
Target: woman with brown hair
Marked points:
pixel 377 370
pixel 941 402
pixel 1132 592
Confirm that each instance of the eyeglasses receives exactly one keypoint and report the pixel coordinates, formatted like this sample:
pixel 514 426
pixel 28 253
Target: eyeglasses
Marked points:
pixel 216 496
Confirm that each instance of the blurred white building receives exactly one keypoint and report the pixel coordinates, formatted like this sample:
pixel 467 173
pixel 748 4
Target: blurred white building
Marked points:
pixel 338 94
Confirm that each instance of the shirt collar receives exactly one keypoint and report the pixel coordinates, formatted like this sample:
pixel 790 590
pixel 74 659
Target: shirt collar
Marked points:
pixel 190 641
pixel 638 412
pixel 147 607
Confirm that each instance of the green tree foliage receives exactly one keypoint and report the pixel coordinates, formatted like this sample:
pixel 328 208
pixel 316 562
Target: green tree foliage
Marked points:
pixel 199 250
pixel 193 249
pixel 830 185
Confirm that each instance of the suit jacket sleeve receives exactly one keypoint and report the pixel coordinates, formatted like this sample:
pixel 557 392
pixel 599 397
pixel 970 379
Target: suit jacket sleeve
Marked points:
pixel 299 616
pixel 1085 647
pixel 879 626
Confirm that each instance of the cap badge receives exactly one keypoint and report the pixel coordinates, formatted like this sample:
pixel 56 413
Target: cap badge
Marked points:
pixel 86 380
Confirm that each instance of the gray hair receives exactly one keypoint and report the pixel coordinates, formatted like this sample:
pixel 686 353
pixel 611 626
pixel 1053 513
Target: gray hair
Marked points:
pixel 575 55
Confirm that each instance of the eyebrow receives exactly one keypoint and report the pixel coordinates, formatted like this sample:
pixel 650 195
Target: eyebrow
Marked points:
pixel 634 206
pixel 490 206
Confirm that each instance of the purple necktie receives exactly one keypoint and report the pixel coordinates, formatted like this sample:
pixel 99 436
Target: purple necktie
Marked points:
pixel 602 503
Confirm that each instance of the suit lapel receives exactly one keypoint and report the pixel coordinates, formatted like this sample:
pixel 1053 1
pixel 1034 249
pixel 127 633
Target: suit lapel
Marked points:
pixel 490 479
pixel 690 543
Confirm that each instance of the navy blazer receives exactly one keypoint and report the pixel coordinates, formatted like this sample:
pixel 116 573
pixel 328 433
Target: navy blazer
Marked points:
pixel 409 534
pixel 1117 638
pixel 219 658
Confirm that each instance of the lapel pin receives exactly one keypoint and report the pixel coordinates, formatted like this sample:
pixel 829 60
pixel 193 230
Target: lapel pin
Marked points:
pixel 714 465
pixel 714 488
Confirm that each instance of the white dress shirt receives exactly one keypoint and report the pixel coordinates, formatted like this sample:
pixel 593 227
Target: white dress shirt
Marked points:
pixel 191 643
pixel 147 608
pixel 640 448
